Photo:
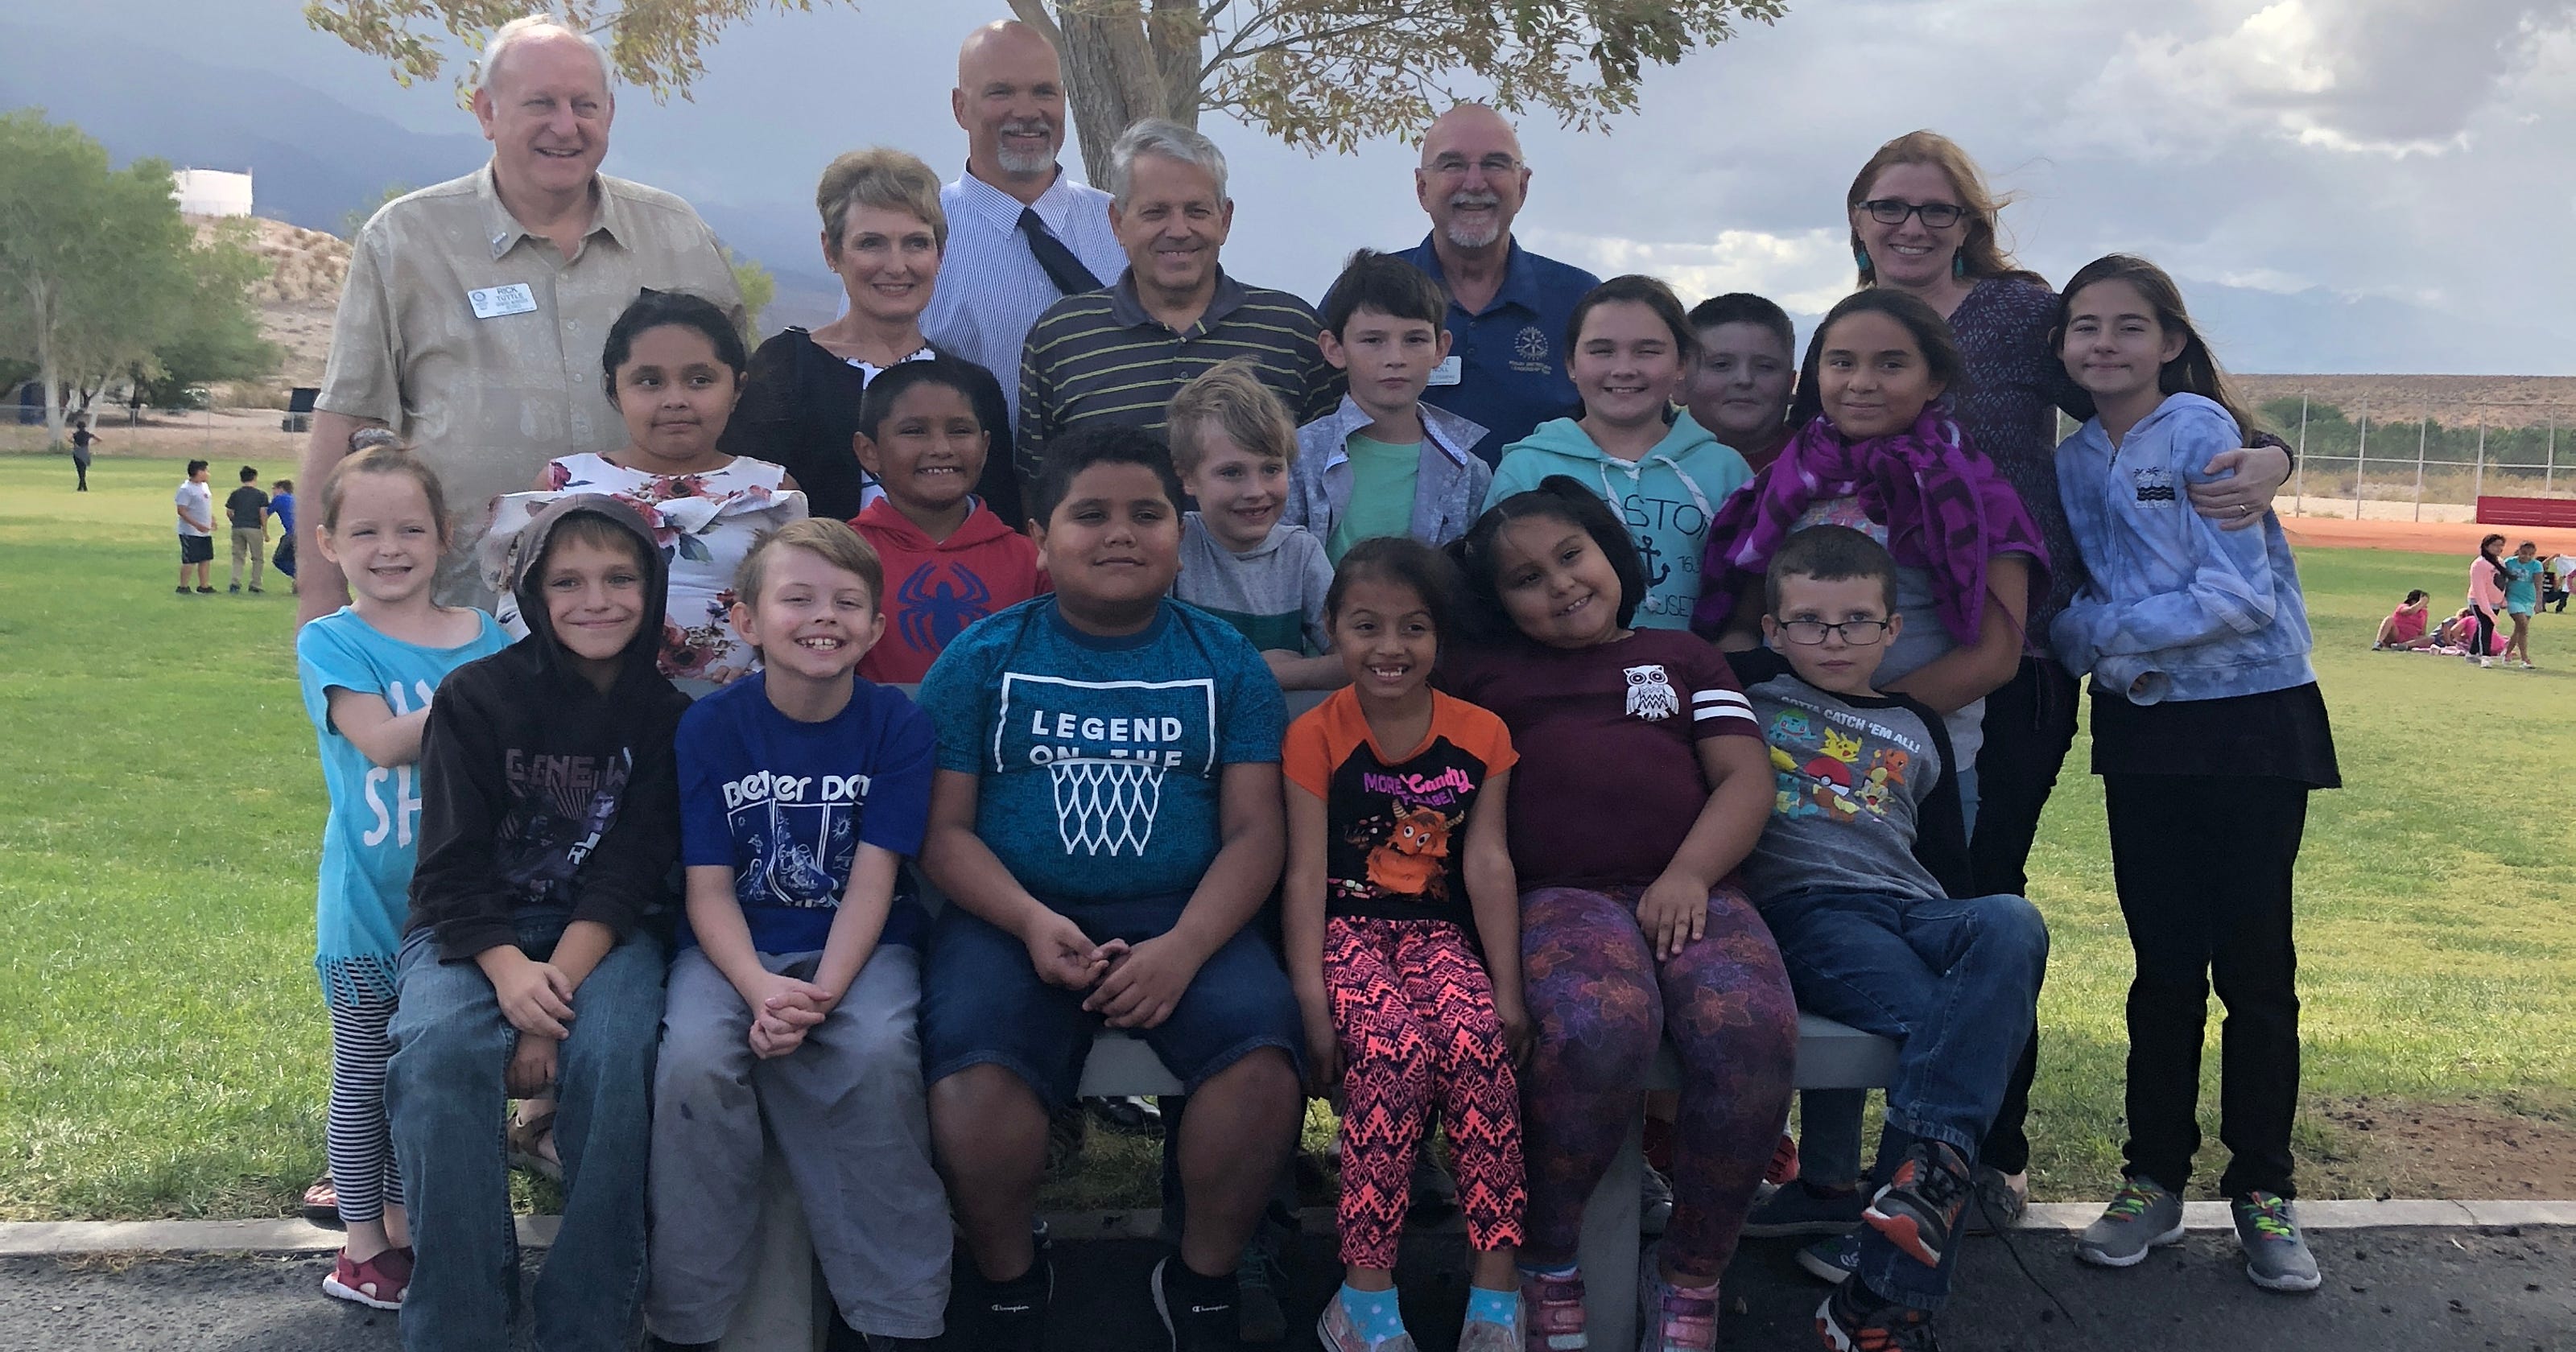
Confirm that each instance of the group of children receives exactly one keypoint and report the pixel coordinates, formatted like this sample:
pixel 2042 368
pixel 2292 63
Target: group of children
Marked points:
pixel 1536 829
pixel 247 510
pixel 2505 592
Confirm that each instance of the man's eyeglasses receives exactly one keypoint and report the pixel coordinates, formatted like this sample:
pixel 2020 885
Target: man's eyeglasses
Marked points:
pixel 1936 215
pixel 1494 166
pixel 1857 633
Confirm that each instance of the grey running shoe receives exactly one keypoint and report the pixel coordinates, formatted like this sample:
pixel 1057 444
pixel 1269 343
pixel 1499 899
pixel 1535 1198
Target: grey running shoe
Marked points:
pixel 2276 1254
pixel 1999 1205
pixel 2142 1216
pixel 1655 1204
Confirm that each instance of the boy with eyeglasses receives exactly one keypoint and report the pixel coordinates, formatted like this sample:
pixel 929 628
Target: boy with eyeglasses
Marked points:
pixel 1861 873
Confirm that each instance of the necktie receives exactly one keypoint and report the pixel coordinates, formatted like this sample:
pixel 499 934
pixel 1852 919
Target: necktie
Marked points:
pixel 1062 268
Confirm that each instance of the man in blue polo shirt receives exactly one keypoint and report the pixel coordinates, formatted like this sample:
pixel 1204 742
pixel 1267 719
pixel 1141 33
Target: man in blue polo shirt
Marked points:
pixel 1508 307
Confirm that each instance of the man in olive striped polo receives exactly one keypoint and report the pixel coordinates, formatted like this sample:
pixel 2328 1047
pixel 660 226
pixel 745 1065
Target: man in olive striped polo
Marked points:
pixel 1121 352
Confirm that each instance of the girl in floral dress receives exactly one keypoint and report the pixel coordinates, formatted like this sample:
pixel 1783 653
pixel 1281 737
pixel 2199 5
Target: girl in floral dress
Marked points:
pixel 673 366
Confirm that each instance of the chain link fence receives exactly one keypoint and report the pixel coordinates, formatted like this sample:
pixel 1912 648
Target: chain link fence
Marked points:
pixel 2430 466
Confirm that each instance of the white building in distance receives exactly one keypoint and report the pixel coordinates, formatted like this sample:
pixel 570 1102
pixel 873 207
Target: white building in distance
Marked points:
pixel 211 192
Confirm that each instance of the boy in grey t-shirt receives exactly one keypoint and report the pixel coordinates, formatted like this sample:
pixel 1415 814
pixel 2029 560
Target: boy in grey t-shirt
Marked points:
pixel 1861 874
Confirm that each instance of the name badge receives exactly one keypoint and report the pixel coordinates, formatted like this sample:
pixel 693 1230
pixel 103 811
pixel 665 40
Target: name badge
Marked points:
pixel 1448 371
pixel 492 302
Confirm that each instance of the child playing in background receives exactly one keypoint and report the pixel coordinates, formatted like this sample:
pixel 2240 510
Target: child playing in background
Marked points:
pixel 948 560
pixel 281 504
pixel 2406 627
pixel 2486 598
pixel 195 503
pixel 2522 575
pixel 1656 788
pixel 1105 823
pixel 1742 373
pixel 802 791
pixel 549 826
pixel 1233 445
pixel 1629 351
pixel 1386 463
pixel 1398 879
pixel 2197 641
pixel 368 672
pixel 1862 875
pixel 672 366
pixel 247 509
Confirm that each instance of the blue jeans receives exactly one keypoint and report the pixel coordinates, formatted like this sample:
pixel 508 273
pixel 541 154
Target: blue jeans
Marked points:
pixel 443 1092
pixel 1955 981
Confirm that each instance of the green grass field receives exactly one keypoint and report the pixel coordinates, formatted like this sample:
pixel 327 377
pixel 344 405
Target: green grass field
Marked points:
pixel 162 1040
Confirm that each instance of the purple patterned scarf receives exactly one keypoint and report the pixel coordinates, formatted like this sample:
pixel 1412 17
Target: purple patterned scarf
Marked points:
pixel 1946 507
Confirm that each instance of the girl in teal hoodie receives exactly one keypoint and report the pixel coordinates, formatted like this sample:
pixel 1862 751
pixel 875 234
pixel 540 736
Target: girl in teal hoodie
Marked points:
pixel 1663 474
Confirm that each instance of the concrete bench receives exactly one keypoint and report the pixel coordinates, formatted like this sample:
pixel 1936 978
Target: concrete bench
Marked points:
pixel 788 1309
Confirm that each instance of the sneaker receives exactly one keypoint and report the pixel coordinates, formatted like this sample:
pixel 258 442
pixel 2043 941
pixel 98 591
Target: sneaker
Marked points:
pixel 1335 1332
pixel 2002 1200
pixel 2142 1216
pixel 1799 1209
pixel 1672 1318
pixel 1198 1312
pixel 1128 1115
pixel 235 589
pixel 1011 1316
pixel 1784 1162
pixel 2276 1254
pixel 205 591
pixel 1552 1313
pixel 183 590
pixel 1919 1208
pixel 1258 1318
pixel 376 1283
pixel 1853 1320
pixel 1654 1204
pixel 257 592
pixel 1484 1335
pixel 1832 1260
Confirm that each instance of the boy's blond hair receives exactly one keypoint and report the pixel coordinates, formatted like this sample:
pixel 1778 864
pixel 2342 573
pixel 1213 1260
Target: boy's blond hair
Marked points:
pixel 831 541
pixel 1231 398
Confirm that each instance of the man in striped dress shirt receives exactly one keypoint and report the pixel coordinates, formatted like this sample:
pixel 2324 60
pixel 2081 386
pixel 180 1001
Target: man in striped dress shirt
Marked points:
pixel 1121 353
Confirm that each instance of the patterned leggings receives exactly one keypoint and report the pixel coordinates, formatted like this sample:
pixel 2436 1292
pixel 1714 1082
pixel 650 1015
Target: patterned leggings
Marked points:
pixel 1601 1003
pixel 359 1143
pixel 1414 1012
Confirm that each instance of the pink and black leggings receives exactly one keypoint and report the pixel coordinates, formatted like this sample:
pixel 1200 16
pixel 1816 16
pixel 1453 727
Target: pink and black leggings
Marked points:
pixel 1601 1003
pixel 1414 1012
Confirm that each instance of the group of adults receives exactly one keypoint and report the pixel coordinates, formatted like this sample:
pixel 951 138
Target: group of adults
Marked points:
pixel 474 313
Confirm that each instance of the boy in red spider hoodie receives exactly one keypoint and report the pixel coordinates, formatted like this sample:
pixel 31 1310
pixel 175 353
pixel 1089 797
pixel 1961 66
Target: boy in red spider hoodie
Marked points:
pixel 949 561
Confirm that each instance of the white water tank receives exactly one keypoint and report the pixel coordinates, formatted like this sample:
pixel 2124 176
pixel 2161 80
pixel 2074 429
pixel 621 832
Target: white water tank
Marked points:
pixel 211 192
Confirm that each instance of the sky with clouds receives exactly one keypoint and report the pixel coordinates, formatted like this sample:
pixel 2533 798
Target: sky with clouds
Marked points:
pixel 2304 166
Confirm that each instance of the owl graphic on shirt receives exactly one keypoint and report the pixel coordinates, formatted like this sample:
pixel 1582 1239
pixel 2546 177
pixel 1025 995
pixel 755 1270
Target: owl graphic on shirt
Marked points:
pixel 1650 693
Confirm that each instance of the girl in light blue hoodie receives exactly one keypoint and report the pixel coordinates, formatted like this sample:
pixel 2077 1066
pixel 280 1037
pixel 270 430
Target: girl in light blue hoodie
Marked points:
pixel 2208 733
pixel 1664 475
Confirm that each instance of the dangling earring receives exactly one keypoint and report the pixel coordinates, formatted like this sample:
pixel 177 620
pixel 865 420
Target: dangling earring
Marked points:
pixel 1958 267
pixel 1860 255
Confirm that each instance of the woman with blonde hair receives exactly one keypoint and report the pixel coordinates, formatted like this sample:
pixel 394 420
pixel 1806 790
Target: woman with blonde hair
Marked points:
pixel 883 235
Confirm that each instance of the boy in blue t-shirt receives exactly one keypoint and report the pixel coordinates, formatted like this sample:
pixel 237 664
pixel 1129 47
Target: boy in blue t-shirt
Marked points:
pixel 1107 818
pixel 802 791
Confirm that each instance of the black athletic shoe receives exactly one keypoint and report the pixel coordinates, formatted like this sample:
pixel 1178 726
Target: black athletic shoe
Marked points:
pixel 1198 1312
pixel 1011 1316
pixel 1919 1208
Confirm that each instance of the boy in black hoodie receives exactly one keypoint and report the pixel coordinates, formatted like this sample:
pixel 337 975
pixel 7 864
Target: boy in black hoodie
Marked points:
pixel 549 823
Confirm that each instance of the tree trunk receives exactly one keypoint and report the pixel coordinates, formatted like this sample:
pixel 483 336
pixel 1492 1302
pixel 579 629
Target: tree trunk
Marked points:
pixel 1117 73
pixel 40 299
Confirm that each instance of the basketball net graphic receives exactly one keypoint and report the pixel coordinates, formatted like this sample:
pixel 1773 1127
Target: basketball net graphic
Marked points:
pixel 1106 806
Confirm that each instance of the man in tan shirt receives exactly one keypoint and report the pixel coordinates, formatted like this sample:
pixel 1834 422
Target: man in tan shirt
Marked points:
pixel 475 310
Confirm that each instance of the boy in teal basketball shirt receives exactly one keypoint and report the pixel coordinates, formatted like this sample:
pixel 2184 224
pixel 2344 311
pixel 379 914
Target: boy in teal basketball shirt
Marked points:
pixel 1105 820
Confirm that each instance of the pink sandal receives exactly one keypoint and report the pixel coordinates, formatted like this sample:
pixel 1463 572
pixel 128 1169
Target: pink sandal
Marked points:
pixel 377 1283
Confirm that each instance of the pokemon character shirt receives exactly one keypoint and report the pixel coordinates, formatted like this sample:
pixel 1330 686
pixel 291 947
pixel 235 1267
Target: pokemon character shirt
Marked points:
pixel 1396 827
pixel 1866 802
pixel 1610 781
